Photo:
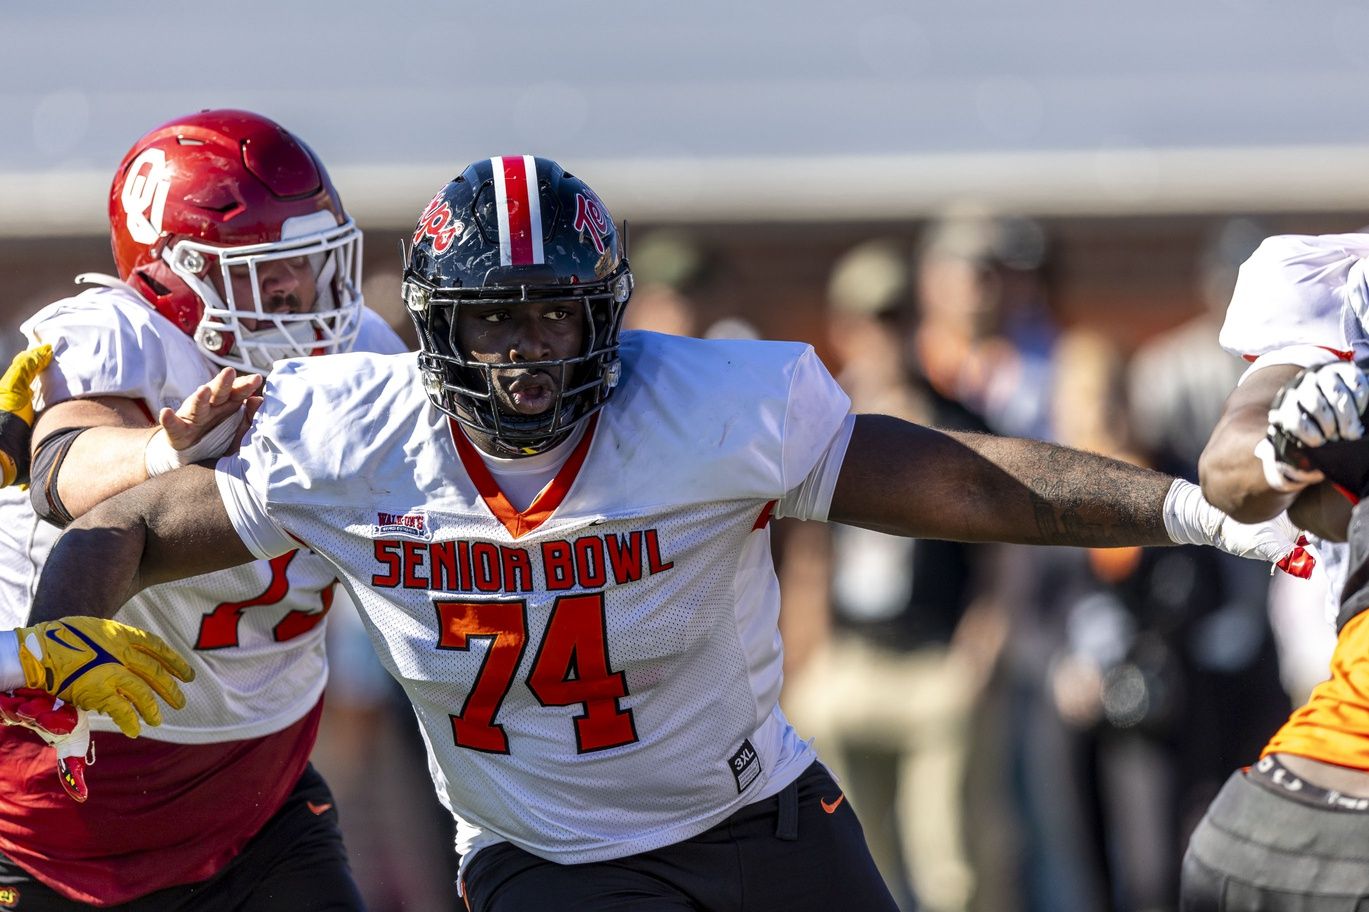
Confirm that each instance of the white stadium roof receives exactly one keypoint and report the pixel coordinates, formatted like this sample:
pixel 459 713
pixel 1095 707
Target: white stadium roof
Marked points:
pixel 721 110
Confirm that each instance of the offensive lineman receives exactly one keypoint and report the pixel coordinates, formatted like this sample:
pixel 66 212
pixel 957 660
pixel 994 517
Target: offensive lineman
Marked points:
pixel 1292 831
pixel 560 549
pixel 232 250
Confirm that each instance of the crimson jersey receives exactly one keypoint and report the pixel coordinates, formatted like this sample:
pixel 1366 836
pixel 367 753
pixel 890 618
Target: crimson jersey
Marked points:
pixel 595 675
pixel 253 634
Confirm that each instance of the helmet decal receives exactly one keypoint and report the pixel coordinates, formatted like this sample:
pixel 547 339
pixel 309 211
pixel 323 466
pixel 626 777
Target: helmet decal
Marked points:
pixel 589 213
pixel 144 195
pixel 437 223
pixel 520 210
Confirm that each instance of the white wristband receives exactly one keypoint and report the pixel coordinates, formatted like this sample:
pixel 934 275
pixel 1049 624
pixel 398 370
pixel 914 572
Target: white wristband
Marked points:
pixel 160 457
pixel 1189 518
pixel 11 671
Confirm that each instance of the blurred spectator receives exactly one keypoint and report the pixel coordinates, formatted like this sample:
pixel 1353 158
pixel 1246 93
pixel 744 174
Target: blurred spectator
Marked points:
pixel 1179 380
pixel 982 286
pixel 666 265
pixel 1134 672
pixel 889 695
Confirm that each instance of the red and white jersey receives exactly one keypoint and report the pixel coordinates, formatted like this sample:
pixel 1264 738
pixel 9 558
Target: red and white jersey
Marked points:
pixel 598 674
pixel 253 634
pixel 1303 300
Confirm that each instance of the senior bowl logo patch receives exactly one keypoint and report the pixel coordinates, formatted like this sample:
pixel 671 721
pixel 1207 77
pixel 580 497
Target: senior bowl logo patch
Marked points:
pixel 413 524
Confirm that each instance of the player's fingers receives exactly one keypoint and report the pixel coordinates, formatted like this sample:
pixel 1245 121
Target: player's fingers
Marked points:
pixel 160 651
pixel 151 670
pixel 122 712
pixel 249 411
pixel 29 364
pixel 245 386
pixel 1292 416
pixel 1335 382
pixel 221 386
pixel 138 695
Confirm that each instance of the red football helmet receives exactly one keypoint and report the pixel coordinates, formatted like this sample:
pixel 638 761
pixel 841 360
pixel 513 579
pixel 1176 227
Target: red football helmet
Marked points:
pixel 202 206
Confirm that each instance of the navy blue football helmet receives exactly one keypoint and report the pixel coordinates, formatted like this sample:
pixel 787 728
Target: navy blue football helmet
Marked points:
pixel 507 230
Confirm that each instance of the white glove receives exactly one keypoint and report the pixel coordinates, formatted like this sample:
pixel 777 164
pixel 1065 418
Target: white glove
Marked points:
pixel 1322 404
pixel 1191 520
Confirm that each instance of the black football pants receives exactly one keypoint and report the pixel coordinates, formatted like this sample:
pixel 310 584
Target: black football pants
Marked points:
pixel 800 850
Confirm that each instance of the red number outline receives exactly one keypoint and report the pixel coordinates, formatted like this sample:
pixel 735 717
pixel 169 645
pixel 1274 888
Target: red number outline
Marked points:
pixel 571 668
pixel 505 626
pixel 219 628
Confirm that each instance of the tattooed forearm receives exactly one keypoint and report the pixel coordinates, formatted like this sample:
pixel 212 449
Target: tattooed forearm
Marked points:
pixel 906 479
pixel 1079 498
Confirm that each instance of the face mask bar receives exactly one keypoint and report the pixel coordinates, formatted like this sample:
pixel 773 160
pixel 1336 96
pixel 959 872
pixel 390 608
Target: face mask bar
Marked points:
pixel 331 325
pixel 465 388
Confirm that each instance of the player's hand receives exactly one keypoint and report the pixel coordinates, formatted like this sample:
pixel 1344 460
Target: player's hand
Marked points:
pixel 1316 429
pixel 16 411
pixel 104 666
pixel 204 426
pixel 1277 541
pixel 61 725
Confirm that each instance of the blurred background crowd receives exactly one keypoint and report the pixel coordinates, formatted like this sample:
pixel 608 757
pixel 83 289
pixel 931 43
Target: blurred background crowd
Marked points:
pixel 1018 218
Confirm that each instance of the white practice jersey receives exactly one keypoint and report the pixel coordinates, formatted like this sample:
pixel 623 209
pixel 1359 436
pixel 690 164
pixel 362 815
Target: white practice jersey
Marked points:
pixel 596 675
pixel 252 634
pixel 1304 300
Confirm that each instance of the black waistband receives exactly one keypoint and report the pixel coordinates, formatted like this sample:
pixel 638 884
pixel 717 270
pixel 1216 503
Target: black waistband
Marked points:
pixel 1278 778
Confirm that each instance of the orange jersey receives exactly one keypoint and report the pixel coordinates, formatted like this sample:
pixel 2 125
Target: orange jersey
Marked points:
pixel 1333 725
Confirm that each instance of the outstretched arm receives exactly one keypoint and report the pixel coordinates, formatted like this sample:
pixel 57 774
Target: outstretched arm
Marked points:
pixel 904 479
pixel 168 528
pixel 910 480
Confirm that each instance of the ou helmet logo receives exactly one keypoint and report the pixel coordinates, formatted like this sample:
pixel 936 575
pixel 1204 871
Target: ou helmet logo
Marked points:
pixel 144 195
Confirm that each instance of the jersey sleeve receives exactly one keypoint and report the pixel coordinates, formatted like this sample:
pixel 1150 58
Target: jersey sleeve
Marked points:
pixel 103 345
pixel 812 499
pixel 1301 300
pixel 246 506
pixel 814 414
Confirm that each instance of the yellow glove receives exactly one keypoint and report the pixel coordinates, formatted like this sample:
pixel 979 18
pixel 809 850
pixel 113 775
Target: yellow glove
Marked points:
pixel 16 411
pixel 104 666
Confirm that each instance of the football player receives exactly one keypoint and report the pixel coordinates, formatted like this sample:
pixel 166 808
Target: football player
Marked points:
pixel 56 721
pixel 1292 831
pixel 559 541
pixel 232 249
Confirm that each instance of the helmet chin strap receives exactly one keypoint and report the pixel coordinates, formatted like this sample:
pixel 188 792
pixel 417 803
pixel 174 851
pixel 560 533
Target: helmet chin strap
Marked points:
pixel 265 347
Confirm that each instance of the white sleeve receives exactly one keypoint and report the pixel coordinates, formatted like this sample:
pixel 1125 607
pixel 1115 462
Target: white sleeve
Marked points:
pixel 814 412
pixel 103 345
pixel 247 509
pixel 813 498
pixel 375 335
pixel 1297 292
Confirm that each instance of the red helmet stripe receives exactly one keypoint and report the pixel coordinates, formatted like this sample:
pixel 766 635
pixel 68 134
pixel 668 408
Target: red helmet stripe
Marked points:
pixel 520 210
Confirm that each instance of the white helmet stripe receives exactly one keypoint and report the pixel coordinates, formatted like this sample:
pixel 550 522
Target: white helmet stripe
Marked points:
pixel 519 210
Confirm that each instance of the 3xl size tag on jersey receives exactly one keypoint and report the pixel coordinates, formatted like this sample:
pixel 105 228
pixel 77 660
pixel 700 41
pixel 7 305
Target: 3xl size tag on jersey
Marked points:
pixel 745 765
